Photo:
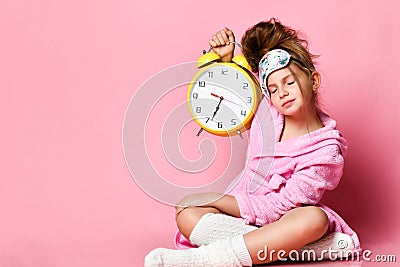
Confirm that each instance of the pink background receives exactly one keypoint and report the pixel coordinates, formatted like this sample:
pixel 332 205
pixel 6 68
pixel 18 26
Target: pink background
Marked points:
pixel 68 70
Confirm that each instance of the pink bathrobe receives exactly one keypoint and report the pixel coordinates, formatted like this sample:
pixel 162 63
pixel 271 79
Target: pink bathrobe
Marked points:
pixel 280 176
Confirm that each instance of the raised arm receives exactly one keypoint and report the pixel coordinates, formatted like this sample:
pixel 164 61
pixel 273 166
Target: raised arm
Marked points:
pixel 222 44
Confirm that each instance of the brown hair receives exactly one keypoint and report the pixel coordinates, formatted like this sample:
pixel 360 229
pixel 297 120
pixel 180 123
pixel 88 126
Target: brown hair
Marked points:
pixel 268 35
pixel 271 34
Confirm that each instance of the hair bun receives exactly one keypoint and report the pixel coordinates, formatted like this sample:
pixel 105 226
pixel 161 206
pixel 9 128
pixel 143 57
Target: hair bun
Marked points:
pixel 271 34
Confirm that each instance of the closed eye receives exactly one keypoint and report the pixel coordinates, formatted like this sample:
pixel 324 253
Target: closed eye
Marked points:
pixel 274 90
pixel 291 83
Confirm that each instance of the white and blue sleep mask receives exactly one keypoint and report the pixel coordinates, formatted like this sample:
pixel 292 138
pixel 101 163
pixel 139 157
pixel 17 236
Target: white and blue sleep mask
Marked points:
pixel 274 60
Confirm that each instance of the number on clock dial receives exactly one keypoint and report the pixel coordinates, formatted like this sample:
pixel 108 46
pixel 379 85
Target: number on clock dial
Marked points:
pixel 229 83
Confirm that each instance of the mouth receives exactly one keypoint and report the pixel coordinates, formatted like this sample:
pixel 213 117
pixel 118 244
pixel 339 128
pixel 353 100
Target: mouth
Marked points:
pixel 287 103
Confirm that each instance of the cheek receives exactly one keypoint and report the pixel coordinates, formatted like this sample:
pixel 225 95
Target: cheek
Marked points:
pixel 274 101
pixel 306 89
pixel 307 96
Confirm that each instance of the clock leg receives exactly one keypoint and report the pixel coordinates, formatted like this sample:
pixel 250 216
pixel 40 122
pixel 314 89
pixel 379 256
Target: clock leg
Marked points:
pixel 240 134
pixel 199 132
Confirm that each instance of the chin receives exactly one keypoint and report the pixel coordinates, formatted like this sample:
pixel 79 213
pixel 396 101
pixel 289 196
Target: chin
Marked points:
pixel 291 111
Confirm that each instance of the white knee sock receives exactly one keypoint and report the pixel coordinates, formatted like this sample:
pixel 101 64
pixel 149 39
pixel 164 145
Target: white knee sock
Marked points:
pixel 334 246
pixel 212 227
pixel 231 252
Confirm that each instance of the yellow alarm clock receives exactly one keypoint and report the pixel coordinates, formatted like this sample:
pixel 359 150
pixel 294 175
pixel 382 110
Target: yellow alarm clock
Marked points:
pixel 223 96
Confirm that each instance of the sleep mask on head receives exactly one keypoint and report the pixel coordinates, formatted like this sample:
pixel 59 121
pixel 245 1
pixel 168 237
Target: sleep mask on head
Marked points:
pixel 274 60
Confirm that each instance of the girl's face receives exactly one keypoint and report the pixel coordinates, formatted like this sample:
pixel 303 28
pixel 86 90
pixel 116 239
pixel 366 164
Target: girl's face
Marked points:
pixel 285 91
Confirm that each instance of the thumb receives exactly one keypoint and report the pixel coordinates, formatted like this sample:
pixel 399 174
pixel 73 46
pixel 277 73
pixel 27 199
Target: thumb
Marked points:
pixel 230 35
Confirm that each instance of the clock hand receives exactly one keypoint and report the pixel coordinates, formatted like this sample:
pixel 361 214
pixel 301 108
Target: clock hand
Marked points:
pixel 217 107
pixel 215 112
pixel 215 95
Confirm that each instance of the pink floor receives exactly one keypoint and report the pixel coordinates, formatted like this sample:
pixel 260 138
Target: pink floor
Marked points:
pixel 383 242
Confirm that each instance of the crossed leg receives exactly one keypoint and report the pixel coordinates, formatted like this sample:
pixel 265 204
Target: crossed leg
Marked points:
pixel 295 229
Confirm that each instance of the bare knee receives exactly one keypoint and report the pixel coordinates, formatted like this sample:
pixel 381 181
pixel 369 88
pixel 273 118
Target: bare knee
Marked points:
pixel 311 223
pixel 186 220
pixel 314 224
pixel 189 217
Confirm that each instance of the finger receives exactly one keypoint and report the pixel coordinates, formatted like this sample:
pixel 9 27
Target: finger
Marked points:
pixel 223 41
pixel 178 211
pixel 216 40
pixel 180 204
pixel 230 34
pixel 213 44
pixel 227 34
pixel 225 37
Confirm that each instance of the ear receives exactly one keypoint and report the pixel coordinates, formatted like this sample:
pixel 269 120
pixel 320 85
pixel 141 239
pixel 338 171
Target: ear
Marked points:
pixel 315 80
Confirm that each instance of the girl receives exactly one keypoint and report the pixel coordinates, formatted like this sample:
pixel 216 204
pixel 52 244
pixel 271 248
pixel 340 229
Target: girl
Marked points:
pixel 283 215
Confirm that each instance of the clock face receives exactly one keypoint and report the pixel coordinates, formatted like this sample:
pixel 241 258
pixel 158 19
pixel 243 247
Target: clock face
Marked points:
pixel 223 98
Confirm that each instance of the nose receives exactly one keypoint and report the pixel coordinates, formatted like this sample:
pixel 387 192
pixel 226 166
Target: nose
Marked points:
pixel 282 92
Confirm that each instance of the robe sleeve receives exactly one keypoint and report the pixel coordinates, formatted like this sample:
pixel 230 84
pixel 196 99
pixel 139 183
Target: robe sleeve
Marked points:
pixel 305 186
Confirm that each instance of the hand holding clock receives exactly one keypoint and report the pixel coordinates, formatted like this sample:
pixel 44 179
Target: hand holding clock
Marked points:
pixel 222 43
pixel 228 79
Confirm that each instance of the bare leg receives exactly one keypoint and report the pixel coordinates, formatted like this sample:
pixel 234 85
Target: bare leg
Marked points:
pixel 294 230
pixel 188 218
